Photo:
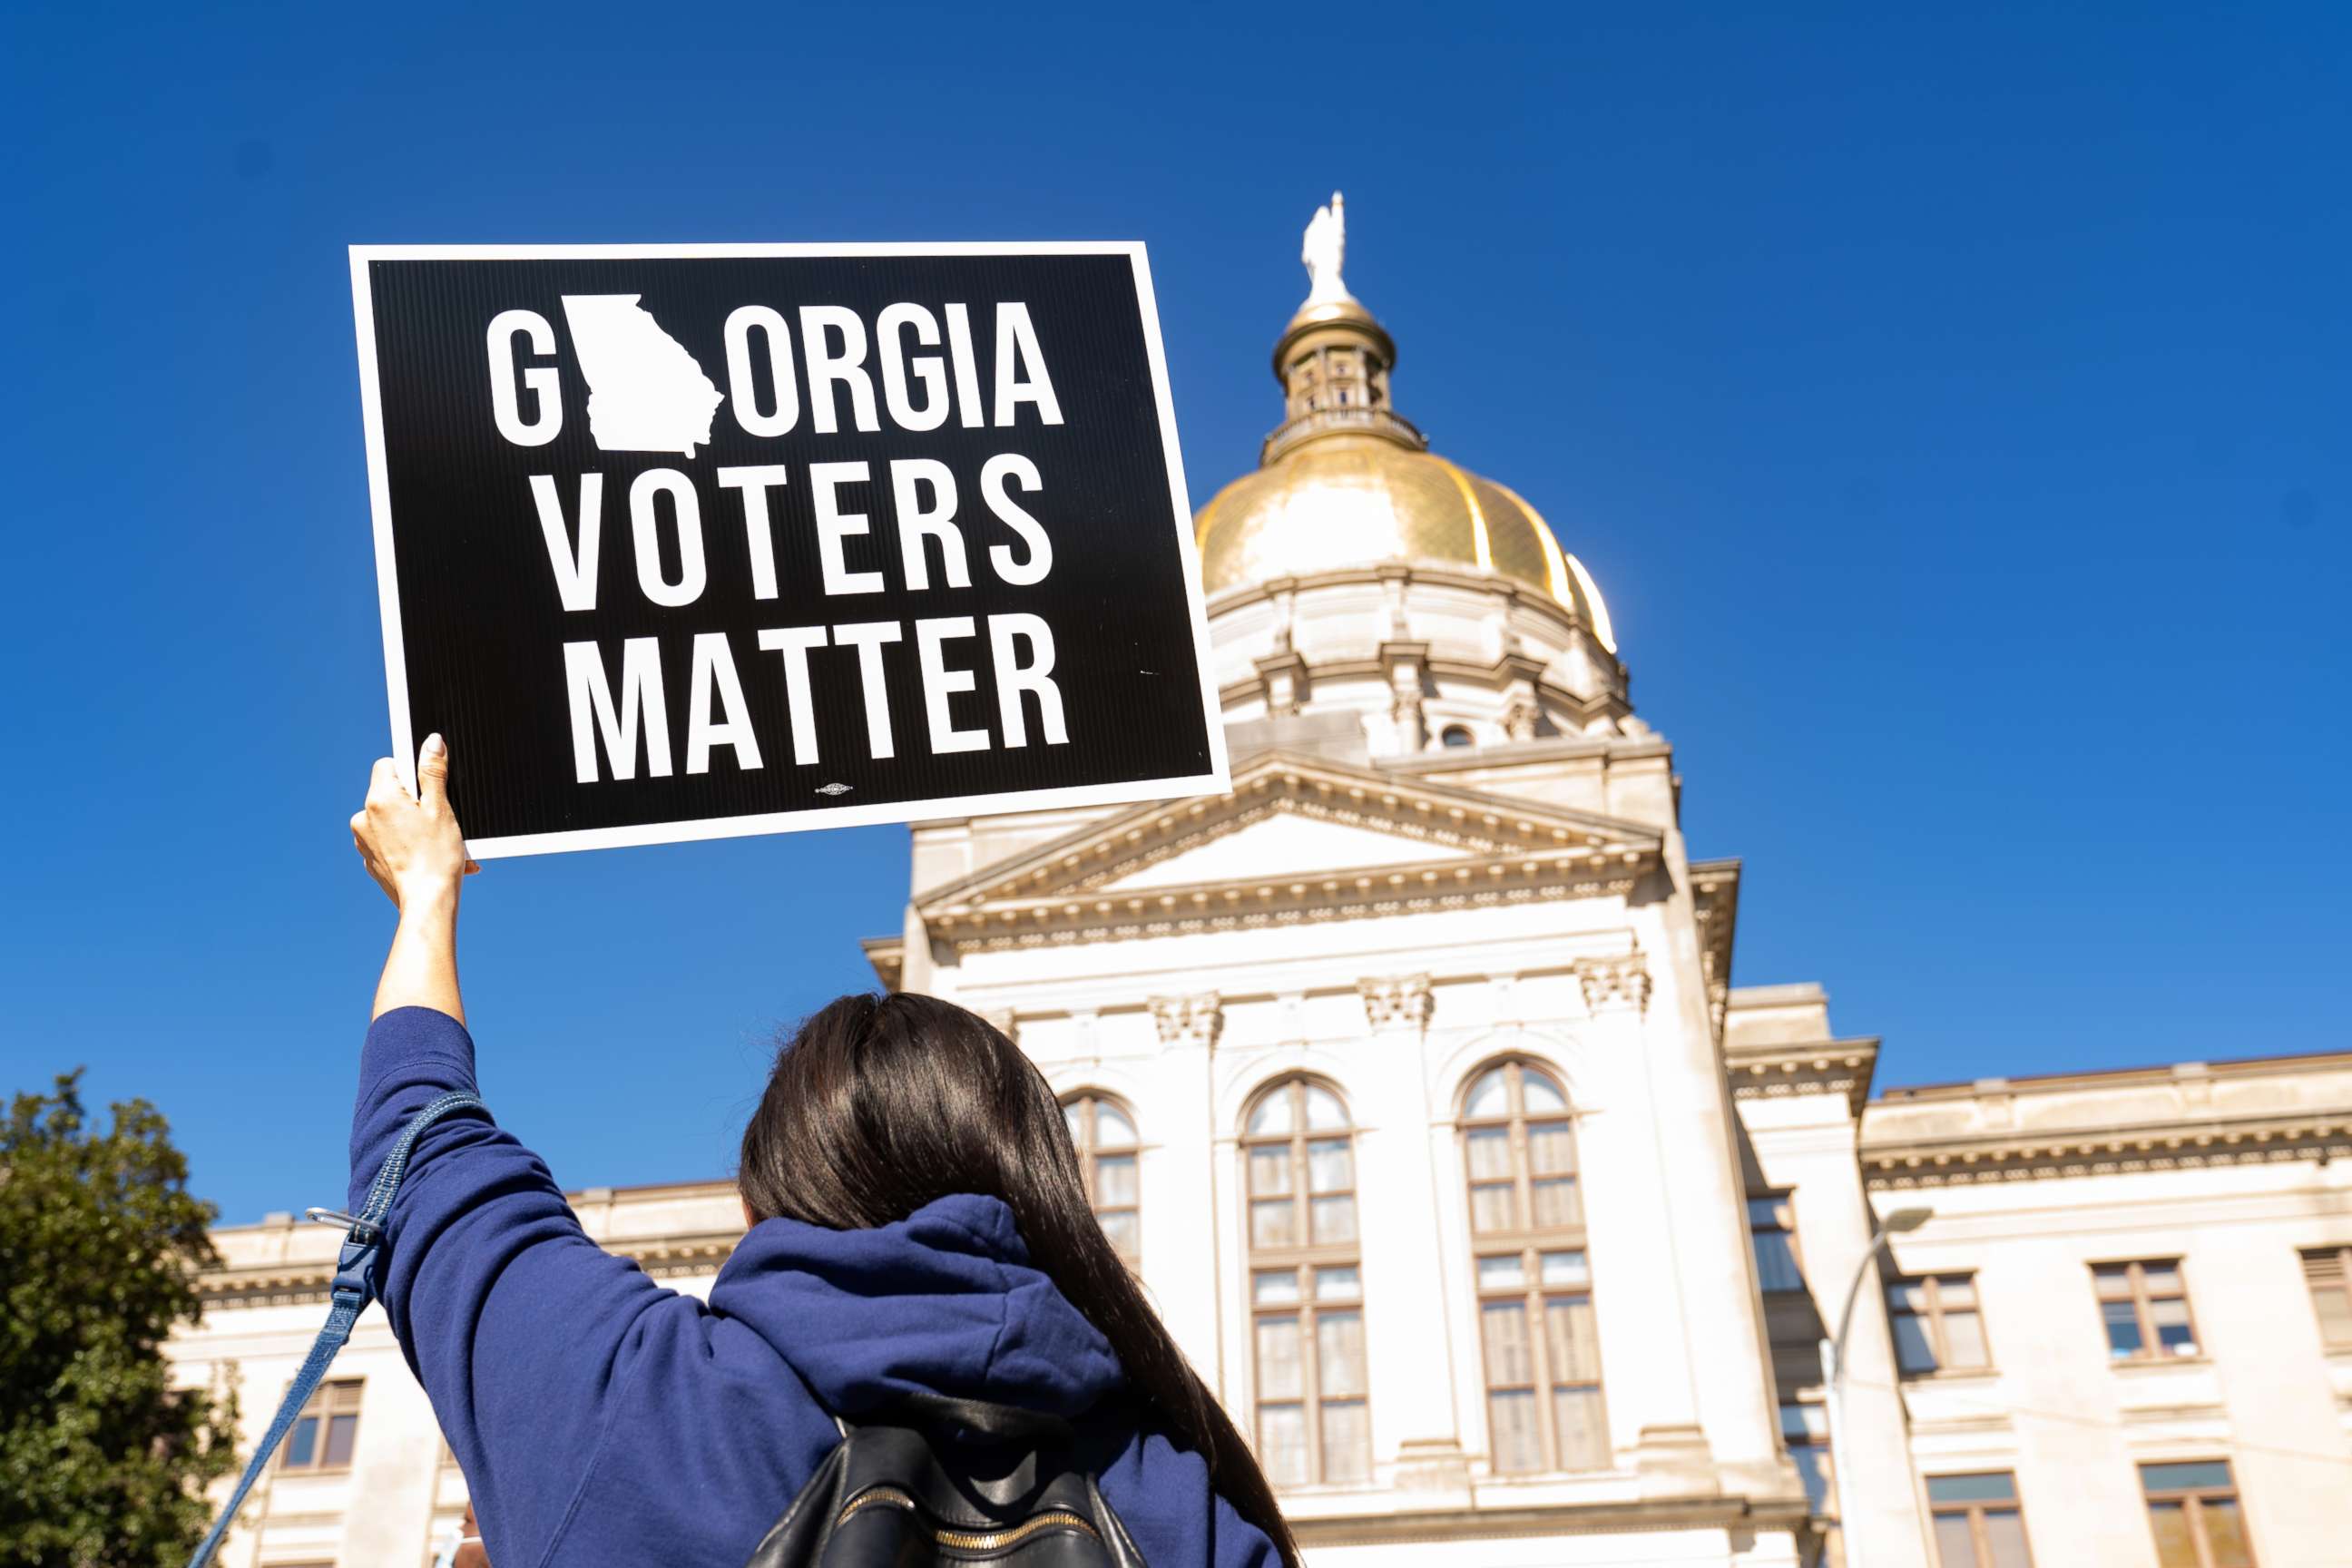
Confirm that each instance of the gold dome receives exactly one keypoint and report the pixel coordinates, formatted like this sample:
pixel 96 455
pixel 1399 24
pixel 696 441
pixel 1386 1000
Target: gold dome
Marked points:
pixel 1344 499
pixel 1345 480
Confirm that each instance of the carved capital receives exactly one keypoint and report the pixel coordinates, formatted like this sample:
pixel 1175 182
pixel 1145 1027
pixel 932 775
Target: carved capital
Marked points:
pixel 1404 1001
pixel 1615 984
pixel 1189 1020
pixel 1521 714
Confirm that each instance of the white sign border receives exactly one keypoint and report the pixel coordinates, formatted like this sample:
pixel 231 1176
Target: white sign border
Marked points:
pixel 1218 780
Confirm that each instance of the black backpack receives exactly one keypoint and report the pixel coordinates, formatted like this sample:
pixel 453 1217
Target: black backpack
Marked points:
pixel 937 1481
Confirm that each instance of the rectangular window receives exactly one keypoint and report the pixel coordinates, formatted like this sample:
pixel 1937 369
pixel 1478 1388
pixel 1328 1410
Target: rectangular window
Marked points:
pixel 1805 1428
pixel 1976 1521
pixel 2328 1272
pixel 1772 1222
pixel 1937 1324
pixel 2145 1307
pixel 2193 1509
pixel 325 1435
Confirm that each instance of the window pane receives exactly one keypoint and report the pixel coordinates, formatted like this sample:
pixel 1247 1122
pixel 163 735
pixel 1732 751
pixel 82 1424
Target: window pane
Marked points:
pixel 1494 1207
pixel 2170 1522
pixel 1330 1165
pixel 1913 1352
pixel 1333 1219
pixel 1956 1290
pixel 302 1444
pixel 1073 1117
pixel 1551 1149
pixel 1565 1269
pixel 2195 1475
pixel 1540 1092
pixel 342 1432
pixel 1111 1126
pixel 1338 1285
pixel 1279 1374
pixel 2172 1330
pixel 2111 1281
pixel 1114 1181
pixel 1964 1342
pixel 1488 1097
pixel 1274 1286
pixel 1575 1344
pixel 1506 1272
pixel 1347 1443
pixel 1998 1487
pixel 1490 1155
pixel 1272 1113
pixel 2004 1530
pixel 1282 1444
pixel 1511 1420
pixel 1324 1110
pixel 1558 1203
pixel 1776 1262
pixel 1956 1545
pixel 2334 1307
pixel 1813 1470
pixel 1340 1349
pixel 1583 1428
pixel 1509 1358
pixel 2163 1278
pixel 1269 1171
pixel 1907 1295
pixel 1273 1224
pixel 2225 1533
pixel 1767 1214
pixel 1126 1234
pixel 2123 1328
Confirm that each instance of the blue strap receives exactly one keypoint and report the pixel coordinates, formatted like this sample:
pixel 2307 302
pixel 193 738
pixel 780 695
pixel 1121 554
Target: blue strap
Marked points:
pixel 354 1287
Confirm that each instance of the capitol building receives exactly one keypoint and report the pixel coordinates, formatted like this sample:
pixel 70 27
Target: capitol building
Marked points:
pixel 1411 1078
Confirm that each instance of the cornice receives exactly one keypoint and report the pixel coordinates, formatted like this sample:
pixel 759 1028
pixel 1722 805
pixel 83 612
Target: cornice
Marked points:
pixel 1775 1070
pixel 296 1282
pixel 1494 1523
pixel 2185 1143
pixel 1715 902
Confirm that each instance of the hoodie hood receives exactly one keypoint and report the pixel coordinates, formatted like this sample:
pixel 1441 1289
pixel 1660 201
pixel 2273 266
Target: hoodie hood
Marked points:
pixel 944 1301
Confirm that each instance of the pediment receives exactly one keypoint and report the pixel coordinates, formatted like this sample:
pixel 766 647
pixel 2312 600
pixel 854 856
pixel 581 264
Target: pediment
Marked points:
pixel 1296 833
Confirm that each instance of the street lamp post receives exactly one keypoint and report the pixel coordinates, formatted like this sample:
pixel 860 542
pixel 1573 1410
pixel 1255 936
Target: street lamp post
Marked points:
pixel 1834 1360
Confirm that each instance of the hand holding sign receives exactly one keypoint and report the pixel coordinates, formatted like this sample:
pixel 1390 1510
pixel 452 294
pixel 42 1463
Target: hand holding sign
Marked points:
pixel 691 541
pixel 410 844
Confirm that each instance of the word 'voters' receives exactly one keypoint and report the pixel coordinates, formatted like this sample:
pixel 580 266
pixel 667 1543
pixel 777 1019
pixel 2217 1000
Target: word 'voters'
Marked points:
pixel 781 517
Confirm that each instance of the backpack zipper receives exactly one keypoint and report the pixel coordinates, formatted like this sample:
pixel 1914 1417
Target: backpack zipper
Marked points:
pixel 966 1540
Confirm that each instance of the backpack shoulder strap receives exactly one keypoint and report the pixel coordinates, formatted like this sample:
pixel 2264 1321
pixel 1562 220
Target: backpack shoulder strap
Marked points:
pixel 353 1289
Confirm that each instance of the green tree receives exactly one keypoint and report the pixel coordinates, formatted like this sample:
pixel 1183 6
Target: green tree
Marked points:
pixel 102 1463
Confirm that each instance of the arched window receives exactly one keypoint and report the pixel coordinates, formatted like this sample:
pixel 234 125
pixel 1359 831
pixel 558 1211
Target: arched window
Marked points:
pixel 1105 1135
pixel 1457 735
pixel 1307 1289
pixel 1534 1281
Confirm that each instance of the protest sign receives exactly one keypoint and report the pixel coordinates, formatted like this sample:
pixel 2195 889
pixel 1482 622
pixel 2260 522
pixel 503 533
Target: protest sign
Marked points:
pixel 687 541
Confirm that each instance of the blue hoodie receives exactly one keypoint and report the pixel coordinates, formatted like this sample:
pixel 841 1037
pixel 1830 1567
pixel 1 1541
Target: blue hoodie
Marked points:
pixel 602 1419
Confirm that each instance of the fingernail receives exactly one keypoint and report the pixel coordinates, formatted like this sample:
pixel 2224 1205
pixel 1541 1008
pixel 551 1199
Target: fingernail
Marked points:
pixel 433 745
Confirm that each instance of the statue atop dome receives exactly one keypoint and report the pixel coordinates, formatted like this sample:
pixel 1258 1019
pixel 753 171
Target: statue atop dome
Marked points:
pixel 1324 250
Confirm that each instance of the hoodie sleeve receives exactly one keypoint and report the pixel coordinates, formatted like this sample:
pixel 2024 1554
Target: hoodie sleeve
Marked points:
pixel 520 1328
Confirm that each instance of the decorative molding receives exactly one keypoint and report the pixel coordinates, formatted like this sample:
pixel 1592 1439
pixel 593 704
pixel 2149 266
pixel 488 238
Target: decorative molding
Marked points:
pixel 1521 715
pixel 1715 900
pixel 1615 984
pixel 1826 1067
pixel 1195 1020
pixel 1952 1162
pixel 1404 1001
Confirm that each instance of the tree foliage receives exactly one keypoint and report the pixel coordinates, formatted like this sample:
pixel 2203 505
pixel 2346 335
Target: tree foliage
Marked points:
pixel 102 1463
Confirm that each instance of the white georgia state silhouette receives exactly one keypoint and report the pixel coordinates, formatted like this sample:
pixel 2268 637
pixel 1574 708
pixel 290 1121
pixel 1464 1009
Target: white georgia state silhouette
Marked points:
pixel 645 392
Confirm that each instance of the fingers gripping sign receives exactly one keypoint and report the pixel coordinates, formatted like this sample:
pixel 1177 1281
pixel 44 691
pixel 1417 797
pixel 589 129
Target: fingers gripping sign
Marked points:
pixel 411 844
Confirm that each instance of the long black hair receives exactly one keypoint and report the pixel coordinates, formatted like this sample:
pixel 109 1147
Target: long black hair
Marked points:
pixel 879 1105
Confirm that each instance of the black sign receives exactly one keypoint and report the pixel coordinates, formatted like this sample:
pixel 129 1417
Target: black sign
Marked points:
pixel 684 541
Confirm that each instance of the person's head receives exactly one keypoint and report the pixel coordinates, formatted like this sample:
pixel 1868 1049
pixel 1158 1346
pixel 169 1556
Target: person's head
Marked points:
pixel 879 1105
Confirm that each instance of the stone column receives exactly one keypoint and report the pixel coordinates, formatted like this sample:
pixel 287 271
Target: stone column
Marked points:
pixel 1397 1181
pixel 1184 1262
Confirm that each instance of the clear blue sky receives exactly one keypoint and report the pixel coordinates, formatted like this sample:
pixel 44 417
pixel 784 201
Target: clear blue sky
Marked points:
pixel 1956 407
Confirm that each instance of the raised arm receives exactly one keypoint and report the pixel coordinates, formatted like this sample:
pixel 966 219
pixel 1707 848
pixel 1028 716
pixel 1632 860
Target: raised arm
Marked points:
pixel 416 855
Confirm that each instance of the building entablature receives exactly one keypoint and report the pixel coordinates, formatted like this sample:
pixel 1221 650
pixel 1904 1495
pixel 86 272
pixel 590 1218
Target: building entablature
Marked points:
pixel 1836 1068
pixel 2185 1116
